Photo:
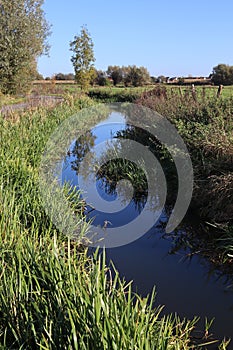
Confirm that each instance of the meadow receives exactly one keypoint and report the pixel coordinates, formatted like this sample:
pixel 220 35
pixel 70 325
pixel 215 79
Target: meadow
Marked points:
pixel 58 87
pixel 52 294
pixel 113 93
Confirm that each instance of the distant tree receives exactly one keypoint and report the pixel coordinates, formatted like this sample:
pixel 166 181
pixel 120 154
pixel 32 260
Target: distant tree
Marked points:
pixel 137 76
pixel 154 80
pixel 23 35
pixel 161 79
pixel 83 58
pixel 181 81
pixel 116 74
pixel 69 76
pixel 143 76
pixel 102 78
pixel 222 74
pixel 38 76
pixel 61 76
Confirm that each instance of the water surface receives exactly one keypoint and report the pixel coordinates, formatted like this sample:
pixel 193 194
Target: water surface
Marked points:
pixel 186 284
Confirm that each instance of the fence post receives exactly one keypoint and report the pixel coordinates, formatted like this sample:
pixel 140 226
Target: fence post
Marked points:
pixel 219 90
pixel 194 93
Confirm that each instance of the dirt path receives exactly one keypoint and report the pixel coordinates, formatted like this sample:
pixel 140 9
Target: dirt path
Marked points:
pixel 32 101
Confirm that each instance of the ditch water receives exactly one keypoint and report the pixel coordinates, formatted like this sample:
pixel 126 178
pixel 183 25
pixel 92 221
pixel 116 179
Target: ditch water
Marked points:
pixel 185 283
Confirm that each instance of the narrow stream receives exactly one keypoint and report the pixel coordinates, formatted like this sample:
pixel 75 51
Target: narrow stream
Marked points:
pixel 186 284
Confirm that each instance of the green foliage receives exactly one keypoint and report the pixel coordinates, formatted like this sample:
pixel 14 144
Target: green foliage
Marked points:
pixel 83 58
pixel 102 79
pixel 61 76
pixel 52 296
pixel 130 75
pixel 137 76
pixel 23 33
pixel 206 125
pixel 222 74
pixel 116 74
pixel 115 94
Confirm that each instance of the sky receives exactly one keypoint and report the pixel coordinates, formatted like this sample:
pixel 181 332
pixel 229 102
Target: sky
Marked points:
pixel 171 38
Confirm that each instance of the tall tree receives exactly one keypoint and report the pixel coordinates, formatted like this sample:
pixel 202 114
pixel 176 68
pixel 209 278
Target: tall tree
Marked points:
pixel 83 58
pixel 23 38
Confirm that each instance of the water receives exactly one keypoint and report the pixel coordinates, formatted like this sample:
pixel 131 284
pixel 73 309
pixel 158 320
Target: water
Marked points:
pixel 185 283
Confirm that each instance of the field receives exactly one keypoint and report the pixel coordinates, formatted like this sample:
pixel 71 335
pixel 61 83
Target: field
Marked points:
pixel 63 88
pixel 58 87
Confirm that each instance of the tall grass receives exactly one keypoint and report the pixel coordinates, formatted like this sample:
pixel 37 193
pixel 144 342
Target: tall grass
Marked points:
pixel 52 295
pixel 206 125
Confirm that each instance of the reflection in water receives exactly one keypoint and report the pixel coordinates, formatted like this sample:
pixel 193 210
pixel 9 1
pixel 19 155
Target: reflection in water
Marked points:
pixel 82 146
pixel 186 282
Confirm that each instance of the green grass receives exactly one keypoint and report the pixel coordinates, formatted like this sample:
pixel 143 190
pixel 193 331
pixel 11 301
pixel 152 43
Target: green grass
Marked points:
pixel 112 94
pixel 9 100
pixel 208 91
pixel 52 295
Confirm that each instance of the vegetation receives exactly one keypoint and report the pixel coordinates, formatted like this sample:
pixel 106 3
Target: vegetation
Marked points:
pixel 115 94
pixel 52 295
pixel 206 125
pixel 137 76
pixel 222 74
pixel 128 76
pixel 61 76
pixel 23 34
pixel 83 58
pixel 116 73
pixel 101 79
pixel 6 100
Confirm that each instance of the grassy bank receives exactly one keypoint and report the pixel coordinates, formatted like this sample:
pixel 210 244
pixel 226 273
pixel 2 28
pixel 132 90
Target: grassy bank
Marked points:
pixel 206 125
pixel 52 296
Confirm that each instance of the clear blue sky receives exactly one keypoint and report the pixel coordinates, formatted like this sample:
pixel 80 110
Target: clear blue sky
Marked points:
pixel 172 38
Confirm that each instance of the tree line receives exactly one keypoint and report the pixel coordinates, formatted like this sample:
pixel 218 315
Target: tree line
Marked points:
pixel 114 75
pixel 24 35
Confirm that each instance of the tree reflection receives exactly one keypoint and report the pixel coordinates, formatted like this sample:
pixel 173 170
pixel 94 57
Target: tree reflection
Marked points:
pixel 83 146
pixel 110 172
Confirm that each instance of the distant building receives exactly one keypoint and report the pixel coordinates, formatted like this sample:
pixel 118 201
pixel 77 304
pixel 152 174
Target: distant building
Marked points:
pixel 172 80
pixel 189 80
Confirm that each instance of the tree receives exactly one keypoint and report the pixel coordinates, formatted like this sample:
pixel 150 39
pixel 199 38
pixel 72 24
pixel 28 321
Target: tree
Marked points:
pixel 222 74
pixel 102 79
pixel 116 74
pixel 153 79
pixel 23 38
pixel 161 79
pixel 137 76
pixel 83 58
pixel 62 76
